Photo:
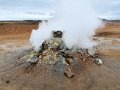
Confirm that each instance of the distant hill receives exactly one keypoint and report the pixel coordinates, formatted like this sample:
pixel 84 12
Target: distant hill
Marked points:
pixel 22 21
pixel 105 20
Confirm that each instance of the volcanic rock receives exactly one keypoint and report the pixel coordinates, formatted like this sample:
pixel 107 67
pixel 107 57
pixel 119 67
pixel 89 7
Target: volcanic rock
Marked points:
pixel 98 61
pixel 57 34
pixel 69 60
pixel 93 52
pixel 32 58
pixel 69 74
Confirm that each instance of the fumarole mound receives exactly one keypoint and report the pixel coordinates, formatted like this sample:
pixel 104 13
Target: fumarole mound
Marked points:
pixel 54 53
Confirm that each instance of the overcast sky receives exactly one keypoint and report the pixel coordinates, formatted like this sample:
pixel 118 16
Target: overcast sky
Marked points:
pixel 104 7
pixel 109 9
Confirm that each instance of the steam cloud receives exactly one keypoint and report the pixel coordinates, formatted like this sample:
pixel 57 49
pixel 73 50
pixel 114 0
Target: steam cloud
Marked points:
pixel 76 18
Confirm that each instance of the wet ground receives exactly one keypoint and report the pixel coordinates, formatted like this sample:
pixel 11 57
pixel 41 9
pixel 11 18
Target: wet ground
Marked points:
pixel 15 75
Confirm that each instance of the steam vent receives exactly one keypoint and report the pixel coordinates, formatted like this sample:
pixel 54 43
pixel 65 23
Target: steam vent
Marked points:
pixel 54 55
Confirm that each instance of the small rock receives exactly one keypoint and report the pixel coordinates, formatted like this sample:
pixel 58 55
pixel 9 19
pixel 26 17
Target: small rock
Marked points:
pixel 40 57
pixel 69 74
pixel 92 51
pixel 7 81
pixel 44 46
pixel 69 54
pixel 57 34
pixel 98 61
pixel 33 60
pixel 79 50
pixel 83 59
pixel 69 60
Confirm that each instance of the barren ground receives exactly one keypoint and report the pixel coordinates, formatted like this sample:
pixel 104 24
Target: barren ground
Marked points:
pixel 14 43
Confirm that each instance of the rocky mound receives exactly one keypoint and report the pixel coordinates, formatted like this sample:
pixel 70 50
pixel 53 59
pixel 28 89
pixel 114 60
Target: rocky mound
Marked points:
pixel 54 53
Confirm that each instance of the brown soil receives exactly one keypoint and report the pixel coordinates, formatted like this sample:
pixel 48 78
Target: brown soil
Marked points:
pixel 110 30
pixel 16 75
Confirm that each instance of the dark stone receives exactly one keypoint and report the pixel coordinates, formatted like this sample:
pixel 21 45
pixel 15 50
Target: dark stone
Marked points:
pixel 69 74
pixel 69 54
pixel 57 34
pixel 7 81
pixel 44 46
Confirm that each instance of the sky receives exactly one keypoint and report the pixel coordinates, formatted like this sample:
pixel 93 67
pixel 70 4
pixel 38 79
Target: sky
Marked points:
pixel 109 9
pixel 38 9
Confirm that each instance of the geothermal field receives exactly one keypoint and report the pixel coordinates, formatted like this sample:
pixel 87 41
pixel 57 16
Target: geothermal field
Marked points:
pixel 54 66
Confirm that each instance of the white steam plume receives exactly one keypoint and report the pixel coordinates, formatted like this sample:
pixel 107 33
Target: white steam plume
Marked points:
pixel 76 18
